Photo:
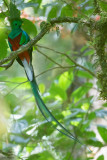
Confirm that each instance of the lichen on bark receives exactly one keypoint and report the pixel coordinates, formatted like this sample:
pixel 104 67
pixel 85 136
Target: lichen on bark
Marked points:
pixel 100 46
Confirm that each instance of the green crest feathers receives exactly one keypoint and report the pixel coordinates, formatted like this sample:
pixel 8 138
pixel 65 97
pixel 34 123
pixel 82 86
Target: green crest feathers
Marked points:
pixel 14 12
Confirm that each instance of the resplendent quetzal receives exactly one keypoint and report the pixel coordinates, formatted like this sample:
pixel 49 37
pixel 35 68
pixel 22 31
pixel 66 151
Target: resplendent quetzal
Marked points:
pixel 17 38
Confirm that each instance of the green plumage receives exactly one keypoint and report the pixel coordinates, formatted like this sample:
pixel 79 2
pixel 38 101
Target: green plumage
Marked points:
pixel 17 38
pixel 14 12
pixel 47 114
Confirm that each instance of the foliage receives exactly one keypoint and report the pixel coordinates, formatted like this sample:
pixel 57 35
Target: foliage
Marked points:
pixel 68 89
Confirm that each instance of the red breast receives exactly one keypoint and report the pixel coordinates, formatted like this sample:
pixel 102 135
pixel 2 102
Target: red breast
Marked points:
pixel 15 45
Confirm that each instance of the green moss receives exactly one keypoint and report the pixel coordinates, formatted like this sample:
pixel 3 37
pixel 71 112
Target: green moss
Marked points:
pixel 100 42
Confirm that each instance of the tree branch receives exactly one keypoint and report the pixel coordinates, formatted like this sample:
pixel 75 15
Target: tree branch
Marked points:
pixel 70 20
pixel 23 48
pixel 76 64
pixel 49 58
pixel 45 29
pixel 6 4
pixel 6 66
pixel 18 84
pixel 65 67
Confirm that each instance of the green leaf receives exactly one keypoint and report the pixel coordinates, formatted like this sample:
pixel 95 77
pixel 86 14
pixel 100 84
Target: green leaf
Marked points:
pixel 94 142
pixel 2 15
pixel 86 8
pixel 103 132
pixel 3 36
pixel 67 156
pixel 65 80
pixel 46 132
pixel 89 133
pixel 105 105
pixel 90 52
pixel 85 125
pixel 29 27
pixel 58 92
pixel 11 100
pixel 76 112
pixel 19 79
pixel 76 121
pixel 30 116
pixel 92 116
pixel 100 157
pixel 62 143
pixel 103 5
pixel 83 48
pixel 53 13
pixel 90 158
pixel 67 11
pixel 33 156
pixel 3 48
pixel 42 88
pixel 84 74
pixel 41 156
pixel 81 91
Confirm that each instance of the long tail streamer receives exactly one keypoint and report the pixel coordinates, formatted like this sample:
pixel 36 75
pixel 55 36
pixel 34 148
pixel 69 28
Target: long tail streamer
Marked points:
pixel 45 111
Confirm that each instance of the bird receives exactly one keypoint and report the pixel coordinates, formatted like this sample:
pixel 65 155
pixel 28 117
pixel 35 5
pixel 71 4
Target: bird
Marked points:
pixel 17 38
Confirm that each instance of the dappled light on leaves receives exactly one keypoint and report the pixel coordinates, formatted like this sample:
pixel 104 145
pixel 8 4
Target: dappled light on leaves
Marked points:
pixel 69 60
pixel 4 116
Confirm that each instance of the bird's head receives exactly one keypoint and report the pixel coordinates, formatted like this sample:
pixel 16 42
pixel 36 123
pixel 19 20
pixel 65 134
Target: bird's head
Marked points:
pixel 14 16
pixel 16 24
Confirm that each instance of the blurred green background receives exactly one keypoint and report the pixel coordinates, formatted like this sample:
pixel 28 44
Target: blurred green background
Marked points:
pixel 70 92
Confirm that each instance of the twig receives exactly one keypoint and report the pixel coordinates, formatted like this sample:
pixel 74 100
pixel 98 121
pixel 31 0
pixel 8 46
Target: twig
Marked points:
pixel 15 88
pixel 3 13
pixel 18 84
pixel 66 67
pixel 72 150
pixel 6 4
pixel 48 58
pixel 76 64
pixel 6 66
pixel 9 82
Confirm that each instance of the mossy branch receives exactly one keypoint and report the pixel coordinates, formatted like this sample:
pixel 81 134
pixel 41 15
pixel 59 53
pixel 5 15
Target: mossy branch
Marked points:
pixel 44 30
